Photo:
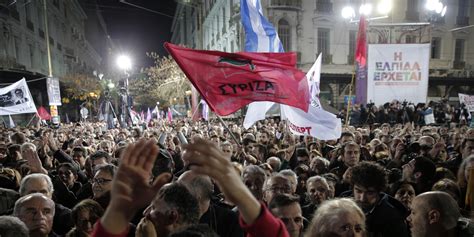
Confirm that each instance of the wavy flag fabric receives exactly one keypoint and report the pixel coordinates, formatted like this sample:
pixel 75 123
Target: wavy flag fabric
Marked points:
pixel 229 81
pixel 361 62
pixel 205 110
pixel 260 36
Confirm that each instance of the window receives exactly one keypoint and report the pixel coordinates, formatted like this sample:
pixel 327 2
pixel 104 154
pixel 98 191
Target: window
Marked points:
pixel 323 44
pixel 324 6
pixel 223 20
pixel 463 16
pixel 410 39
pixel 435 47
pixel 352 46
pixel 32 54
pixel 17 43
pixel 284 34
pixel 412 10
pixel 459 50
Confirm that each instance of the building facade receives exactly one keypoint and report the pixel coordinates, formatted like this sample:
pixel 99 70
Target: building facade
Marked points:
pixel 310 27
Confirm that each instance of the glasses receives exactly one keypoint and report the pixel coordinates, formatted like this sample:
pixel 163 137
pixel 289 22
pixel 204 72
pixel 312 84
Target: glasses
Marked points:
pixel 101 181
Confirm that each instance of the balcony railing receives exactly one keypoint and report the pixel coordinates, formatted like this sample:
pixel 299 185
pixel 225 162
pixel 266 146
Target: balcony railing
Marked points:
pixel 459 64
pixel 462 20
pixel 286 3
pixel 324 7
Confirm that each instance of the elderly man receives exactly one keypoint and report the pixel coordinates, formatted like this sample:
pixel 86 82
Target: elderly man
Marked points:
pixel 437 214
pixel 223 221
pixel 317 192
pixel 36 210
pixel 41 183
pixel 276 184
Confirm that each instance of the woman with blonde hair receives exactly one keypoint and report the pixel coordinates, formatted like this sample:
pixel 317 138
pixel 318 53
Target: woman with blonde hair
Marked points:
pixel 338 217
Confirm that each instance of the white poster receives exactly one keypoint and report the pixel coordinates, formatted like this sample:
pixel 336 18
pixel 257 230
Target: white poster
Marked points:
pixel 398 72
pixel 54 93
pixel 467 100
pixel 16 99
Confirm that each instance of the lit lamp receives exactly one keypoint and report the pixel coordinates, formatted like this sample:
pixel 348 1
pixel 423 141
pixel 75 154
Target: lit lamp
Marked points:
pixel 125 63
pixel 384 7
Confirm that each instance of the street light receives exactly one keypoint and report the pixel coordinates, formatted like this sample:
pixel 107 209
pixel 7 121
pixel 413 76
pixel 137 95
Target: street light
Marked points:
pixel 436 6
pixel 125 63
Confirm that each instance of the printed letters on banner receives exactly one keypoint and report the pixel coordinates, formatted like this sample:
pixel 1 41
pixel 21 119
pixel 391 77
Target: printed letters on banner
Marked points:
pixel 398 72
pixel 54 93
pixel 467 100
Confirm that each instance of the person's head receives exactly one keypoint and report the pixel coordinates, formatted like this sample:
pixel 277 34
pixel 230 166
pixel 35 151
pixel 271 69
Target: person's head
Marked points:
pixel 173 208
pixel 102 181
pixel 346 137
pixel 302 156
pixel 319 165
pixel 36 183
pixel 426 144
pixel 467 147
pixel 464 171
pixel 263 137
pixel 350 154
pixel 106 145
pixel 37 211
pixel 433 213
pixel 274 162
pixel 317 190
pixel 292 177
pixel 424 170
pixel 274 185
pixel 11 226
pixel 227 149
pixel 368 180
pixel 99 158
pixel 200 186
pixel 85 214
pixel 79 155
pixel 163 164
pixel 404 192
pixel 448 186
pixel 67 173
pixel 19 93
pixel 254 178
pixel 288 209
pixel 338 217
pixel 18 138
pixel 195 230
pixel 332 180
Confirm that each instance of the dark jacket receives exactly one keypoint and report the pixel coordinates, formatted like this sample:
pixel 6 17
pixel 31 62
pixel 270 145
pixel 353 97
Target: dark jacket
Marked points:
pixel 387 218
pixel 223 221
pixel 62 222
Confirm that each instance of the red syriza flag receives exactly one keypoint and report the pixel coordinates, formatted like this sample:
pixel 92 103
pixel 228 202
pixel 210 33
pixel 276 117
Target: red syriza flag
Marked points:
pixel 229 81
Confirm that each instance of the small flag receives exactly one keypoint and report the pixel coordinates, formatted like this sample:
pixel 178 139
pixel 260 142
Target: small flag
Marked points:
pixel 148 115
pixel 11 124
pixel 205 110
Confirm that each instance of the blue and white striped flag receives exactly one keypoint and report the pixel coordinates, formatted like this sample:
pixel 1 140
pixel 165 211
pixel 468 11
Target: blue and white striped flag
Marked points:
pixel 260 36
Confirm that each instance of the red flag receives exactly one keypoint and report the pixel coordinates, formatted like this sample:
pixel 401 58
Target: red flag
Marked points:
pixel 43 113
pixel 229 81
pixel 361 47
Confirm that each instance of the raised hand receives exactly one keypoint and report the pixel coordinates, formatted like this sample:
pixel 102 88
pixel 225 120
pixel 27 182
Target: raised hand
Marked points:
pixel 131 188
pixel 33 161
pixel 204 157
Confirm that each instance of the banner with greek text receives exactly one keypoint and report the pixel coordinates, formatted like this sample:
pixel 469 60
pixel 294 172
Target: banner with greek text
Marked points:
pixel 398 72
pixel 467 100
pixel 16 99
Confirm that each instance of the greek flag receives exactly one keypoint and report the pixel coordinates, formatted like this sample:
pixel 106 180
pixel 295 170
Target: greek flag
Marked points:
pixel 260 36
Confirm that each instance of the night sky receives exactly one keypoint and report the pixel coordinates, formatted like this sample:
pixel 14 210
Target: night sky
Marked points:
pixel 136 31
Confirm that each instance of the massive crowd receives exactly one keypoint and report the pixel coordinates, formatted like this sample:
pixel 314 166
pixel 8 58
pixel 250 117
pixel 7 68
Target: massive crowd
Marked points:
pixel 197 178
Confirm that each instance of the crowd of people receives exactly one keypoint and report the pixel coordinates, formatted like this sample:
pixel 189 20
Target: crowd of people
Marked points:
pixel 201 178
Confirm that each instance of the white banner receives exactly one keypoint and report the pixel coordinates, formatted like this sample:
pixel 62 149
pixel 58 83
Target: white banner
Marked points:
pixel 54 93
pixel 467 100
pixel 398 72
pixel 16 99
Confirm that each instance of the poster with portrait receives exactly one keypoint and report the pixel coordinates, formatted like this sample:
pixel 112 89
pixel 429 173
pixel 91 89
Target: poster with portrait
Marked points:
pixel 16 99
pixel 398 72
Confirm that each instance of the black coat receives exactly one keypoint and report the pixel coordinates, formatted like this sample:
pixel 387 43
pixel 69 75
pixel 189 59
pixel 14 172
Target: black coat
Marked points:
pixel 223 221
pixel 387 218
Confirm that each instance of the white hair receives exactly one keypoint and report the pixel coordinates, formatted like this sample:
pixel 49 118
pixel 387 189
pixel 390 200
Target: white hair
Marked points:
pixel 26 179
